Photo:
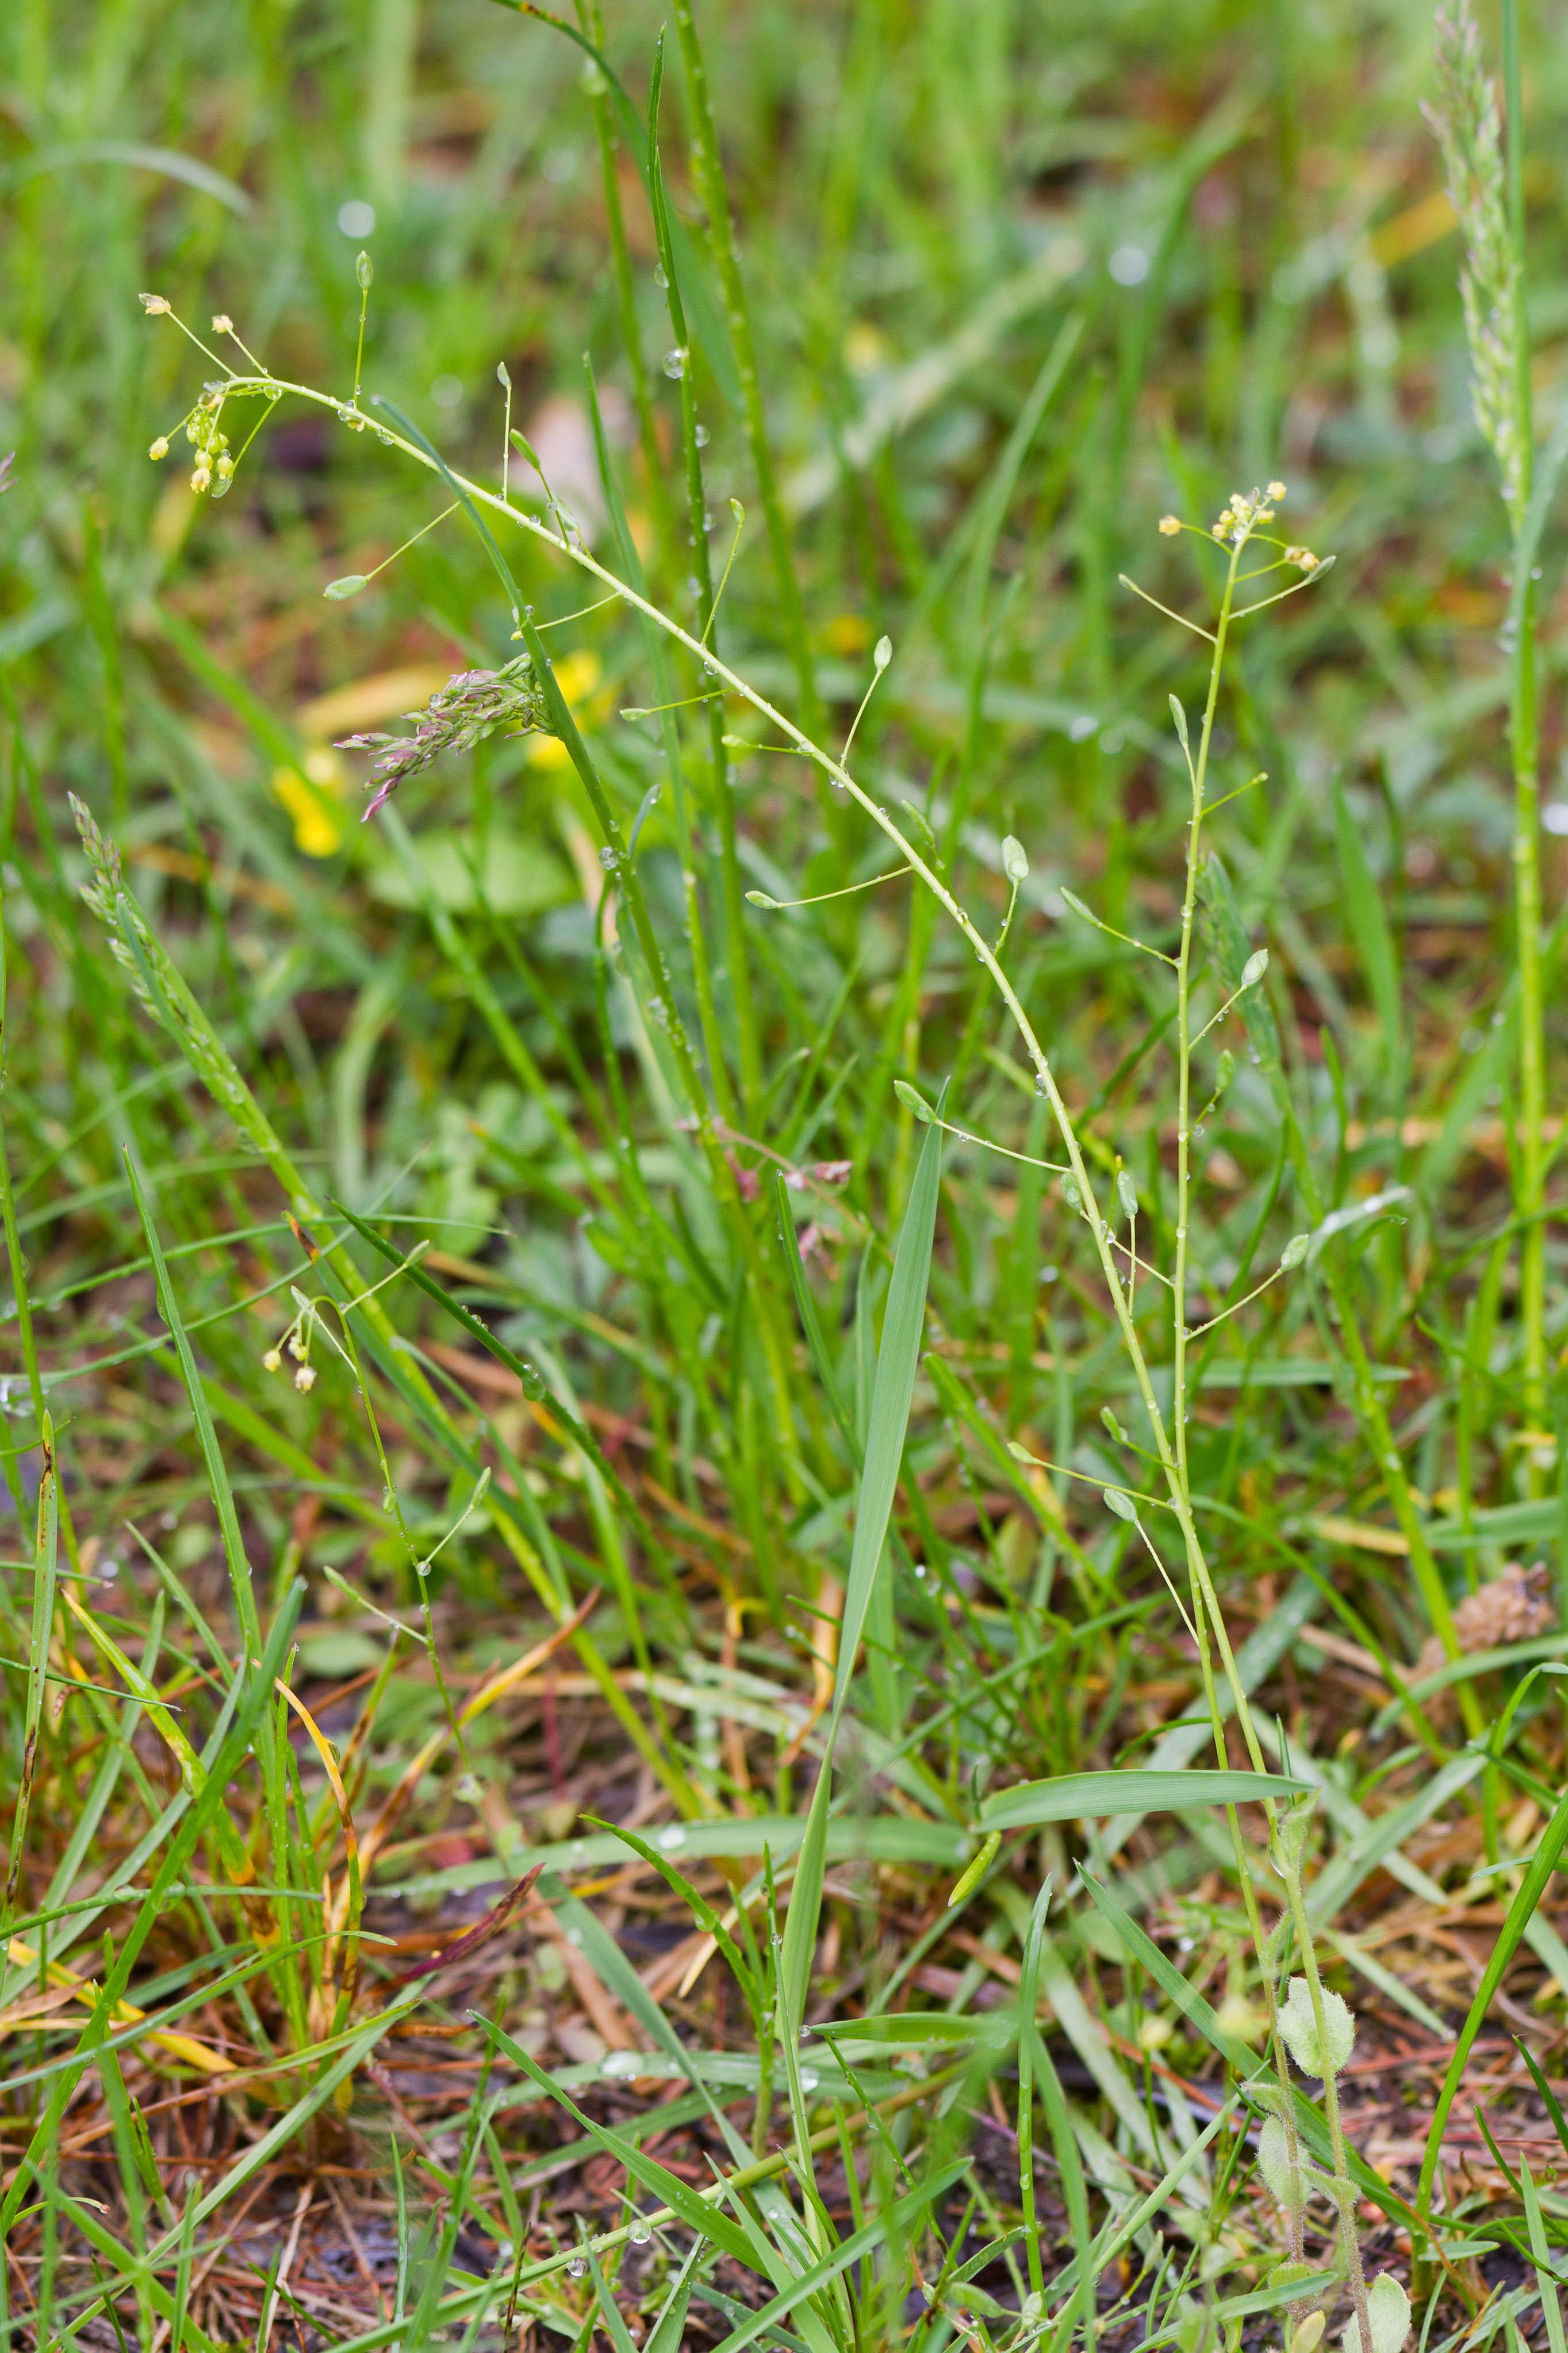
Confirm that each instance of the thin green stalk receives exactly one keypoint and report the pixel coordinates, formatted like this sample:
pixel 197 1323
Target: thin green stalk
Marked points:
pixel 715 195
pixel 625 297
pixel 1523 743
pixel 697 513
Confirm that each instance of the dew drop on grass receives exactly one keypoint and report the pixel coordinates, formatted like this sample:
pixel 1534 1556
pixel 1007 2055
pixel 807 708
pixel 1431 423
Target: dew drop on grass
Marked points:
pixel 640 2234
pixel 675 364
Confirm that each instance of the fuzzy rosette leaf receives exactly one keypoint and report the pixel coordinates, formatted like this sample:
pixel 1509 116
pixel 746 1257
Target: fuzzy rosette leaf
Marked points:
pixel 1388 2315
pixel 1291 2185
pixel 1300 2028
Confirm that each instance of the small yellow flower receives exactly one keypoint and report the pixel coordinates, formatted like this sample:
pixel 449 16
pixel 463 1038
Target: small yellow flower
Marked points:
pixel 1170 525
pixel 155 305
pixel 160 447
pixel 305 1378
pixel 1302 558
pixel 201 479
pixel 273 1360
pixel 1276 490
pixel 223 324
pixel 224 467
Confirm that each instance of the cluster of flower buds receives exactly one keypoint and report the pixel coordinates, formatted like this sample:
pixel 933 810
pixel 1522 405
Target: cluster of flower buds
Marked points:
pixel 214 468
pixel 1245 512
pixel 297 1340
pixel 463 713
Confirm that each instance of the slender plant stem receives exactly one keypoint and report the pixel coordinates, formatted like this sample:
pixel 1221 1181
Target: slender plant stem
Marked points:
pixel 721 235
pixel 723 796
pixel 626 296
pixel 1523 730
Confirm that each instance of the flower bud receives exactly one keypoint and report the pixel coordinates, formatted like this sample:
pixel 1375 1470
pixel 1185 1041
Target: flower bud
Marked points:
pixel 305 1378
pixel 223 324
pixel 273 1360
pixel 1015 860
pixel 1170 525
pixel 155 305
pixel 201 478
pixel 160 447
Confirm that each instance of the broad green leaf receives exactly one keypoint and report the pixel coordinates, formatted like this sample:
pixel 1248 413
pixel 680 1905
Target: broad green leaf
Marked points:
pixel 864 1837
pixel 910 2030
pixel 1071 1797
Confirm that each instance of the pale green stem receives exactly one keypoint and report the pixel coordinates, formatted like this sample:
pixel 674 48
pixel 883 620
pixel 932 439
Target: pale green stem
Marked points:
pixel 1523 746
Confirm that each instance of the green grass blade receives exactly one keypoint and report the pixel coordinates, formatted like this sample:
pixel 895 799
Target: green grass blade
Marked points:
pixel 206 1436
pixel 806 1307
pixel 1532 1888
pixel 898 1360
pixel 1072 1797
